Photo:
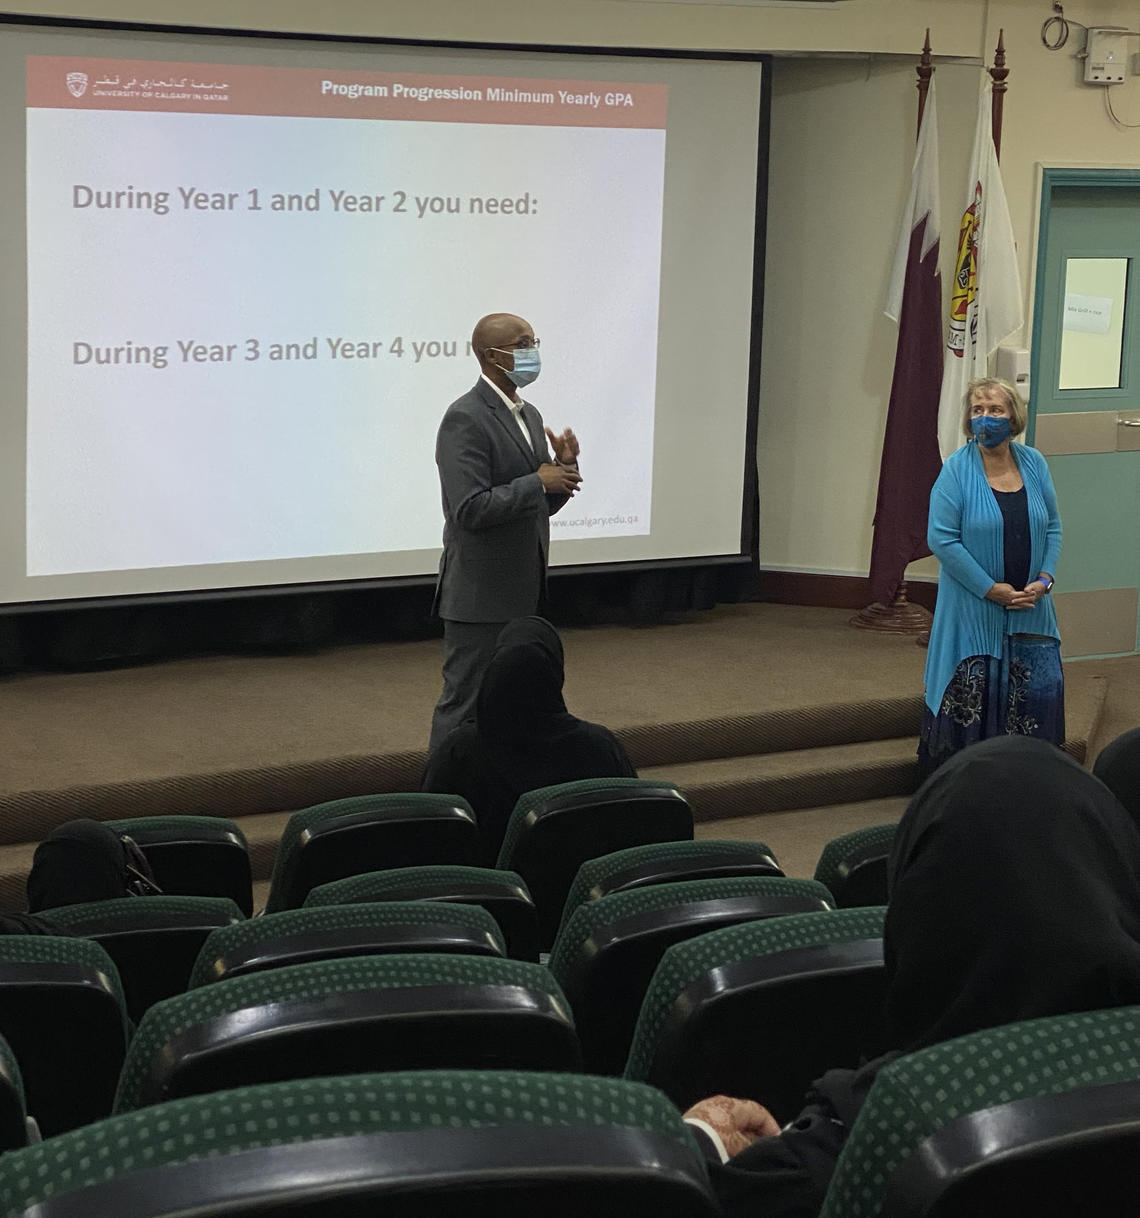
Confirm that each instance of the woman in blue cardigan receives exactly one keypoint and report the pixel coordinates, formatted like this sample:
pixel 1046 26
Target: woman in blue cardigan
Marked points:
pixel 994 662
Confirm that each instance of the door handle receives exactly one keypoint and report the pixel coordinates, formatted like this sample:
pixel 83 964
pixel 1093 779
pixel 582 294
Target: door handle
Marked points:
pixel 1128 422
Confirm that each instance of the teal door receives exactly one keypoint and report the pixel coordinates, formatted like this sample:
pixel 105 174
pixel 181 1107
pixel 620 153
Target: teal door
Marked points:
pixel 1085 399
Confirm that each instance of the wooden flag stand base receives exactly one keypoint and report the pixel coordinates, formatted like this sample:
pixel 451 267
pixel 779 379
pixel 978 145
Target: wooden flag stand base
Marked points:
pixel 901 617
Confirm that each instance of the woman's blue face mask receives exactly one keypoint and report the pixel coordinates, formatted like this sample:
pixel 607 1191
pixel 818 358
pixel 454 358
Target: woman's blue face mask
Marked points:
pixel 990 430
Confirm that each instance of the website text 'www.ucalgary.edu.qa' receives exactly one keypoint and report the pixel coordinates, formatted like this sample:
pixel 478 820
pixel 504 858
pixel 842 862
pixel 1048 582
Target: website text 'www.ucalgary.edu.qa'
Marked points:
pixel 592 522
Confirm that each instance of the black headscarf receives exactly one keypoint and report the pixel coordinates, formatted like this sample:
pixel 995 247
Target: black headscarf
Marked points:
pixel 520 714
pixel 522 736
pixel 1118 767
pixel 81 860
pixel 1015 893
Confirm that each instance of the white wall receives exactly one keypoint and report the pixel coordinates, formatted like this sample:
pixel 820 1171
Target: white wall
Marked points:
pixel 841 149
pixel 842 139
pixel 890 26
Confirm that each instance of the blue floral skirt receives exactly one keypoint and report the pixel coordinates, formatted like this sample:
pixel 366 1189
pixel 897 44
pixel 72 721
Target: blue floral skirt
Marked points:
pixel 1020 694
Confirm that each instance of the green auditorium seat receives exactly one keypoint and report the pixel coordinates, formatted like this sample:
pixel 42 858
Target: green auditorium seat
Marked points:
pixel 63 1015
pixel 554 830
pixel 194 856
pixel 854 866
pixel 762 1009
pixel 339 1016
pixel 606 952
pixel 370 833
pixel 329 932
pixel 13 1113
pixel 667 863
pixel 427 1144
pixel 153 941
pixel 503 894
pixel 1040 1118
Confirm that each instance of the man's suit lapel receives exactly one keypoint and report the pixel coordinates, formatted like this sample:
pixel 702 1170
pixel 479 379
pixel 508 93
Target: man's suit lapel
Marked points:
pixel 506 420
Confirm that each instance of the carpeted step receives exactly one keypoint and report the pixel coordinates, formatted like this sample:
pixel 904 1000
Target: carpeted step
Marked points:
pixel 744 786
pixel 732 796
pixel 27 815
pixel 771 731
pixel 800 778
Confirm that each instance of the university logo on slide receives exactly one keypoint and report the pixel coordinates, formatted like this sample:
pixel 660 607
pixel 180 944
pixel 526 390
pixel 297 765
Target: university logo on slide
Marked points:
pixel 77 83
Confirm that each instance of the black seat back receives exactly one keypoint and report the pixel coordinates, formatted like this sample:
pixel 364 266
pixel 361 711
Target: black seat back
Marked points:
pixel 331 932
pixel 1072 1155
pixel 201 856
pixel 503 894
pixel 607 951
pixel 346 837
pixel 811 1009
pixel 339 1016
pixel 62 1013
pixel 153 941
pixel 854 866
pixel 761 1009
pixel 423 1144
pixel 554 830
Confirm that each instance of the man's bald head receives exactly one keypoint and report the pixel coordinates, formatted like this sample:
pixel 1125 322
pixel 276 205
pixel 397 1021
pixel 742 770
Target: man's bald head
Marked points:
pixel 501 330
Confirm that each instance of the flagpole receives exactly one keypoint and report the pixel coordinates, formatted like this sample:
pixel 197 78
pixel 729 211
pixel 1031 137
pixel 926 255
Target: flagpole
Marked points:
pixel 998 72
pixel 901 616
pixel 925 70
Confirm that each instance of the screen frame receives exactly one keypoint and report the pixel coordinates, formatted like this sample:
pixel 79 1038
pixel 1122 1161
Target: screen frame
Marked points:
pixel 748 554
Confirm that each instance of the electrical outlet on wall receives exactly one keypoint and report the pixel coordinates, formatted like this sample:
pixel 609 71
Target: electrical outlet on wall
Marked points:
pixel 1106 55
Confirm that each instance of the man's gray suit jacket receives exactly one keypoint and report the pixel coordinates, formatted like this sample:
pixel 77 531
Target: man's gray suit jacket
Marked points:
pixel 496 530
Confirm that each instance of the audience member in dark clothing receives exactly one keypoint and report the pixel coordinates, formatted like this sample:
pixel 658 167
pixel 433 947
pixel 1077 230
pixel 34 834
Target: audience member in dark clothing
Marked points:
pixel 1015 893
pixel 81 860
pixel 522 736
pixel 1118 767
pixel 84 860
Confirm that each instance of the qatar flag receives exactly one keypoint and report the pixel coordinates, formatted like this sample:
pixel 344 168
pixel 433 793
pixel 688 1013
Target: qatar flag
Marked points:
pixel 911 461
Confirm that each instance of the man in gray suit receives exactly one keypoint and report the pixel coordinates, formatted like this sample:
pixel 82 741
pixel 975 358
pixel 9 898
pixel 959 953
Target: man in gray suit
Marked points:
pixel 500 488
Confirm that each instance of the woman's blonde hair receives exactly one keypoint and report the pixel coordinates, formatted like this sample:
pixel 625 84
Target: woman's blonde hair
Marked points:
pixel 1018 411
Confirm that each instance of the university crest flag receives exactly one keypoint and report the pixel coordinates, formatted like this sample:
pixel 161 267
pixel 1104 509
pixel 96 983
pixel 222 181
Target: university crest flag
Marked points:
pixel 910 461
pixel 985 304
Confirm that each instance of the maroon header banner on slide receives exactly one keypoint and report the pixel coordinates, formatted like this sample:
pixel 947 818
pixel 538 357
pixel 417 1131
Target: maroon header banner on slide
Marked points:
pixel 75 83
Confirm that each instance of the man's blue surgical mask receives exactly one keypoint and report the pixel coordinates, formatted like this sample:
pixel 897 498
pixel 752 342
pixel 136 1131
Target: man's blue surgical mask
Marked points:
pixel 989 430
pixel 528 364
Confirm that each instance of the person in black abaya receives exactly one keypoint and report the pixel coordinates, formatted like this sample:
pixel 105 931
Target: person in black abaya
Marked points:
pixel 522 736
pixel 1118 767
pixel 81 860
pixel 1014 894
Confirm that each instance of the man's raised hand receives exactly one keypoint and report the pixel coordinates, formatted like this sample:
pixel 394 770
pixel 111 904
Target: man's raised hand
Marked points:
pixel 565 446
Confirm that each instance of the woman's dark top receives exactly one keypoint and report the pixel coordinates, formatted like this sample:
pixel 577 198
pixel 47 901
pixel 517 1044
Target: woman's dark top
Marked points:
pixel 1015 894
pixel 522 736
pixel 1015 519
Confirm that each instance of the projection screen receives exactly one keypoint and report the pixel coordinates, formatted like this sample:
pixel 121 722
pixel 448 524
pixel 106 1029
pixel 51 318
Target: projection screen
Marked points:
pixel 239 278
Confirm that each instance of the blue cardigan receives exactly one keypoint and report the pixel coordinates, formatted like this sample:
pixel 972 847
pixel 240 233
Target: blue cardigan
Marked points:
pixel 966 535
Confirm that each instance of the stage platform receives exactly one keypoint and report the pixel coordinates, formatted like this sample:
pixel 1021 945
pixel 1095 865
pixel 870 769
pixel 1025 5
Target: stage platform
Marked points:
pixel 780 723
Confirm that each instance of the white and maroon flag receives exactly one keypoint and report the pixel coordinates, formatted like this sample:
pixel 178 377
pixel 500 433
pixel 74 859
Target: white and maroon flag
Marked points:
pixel 910 461
pixel 985 305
